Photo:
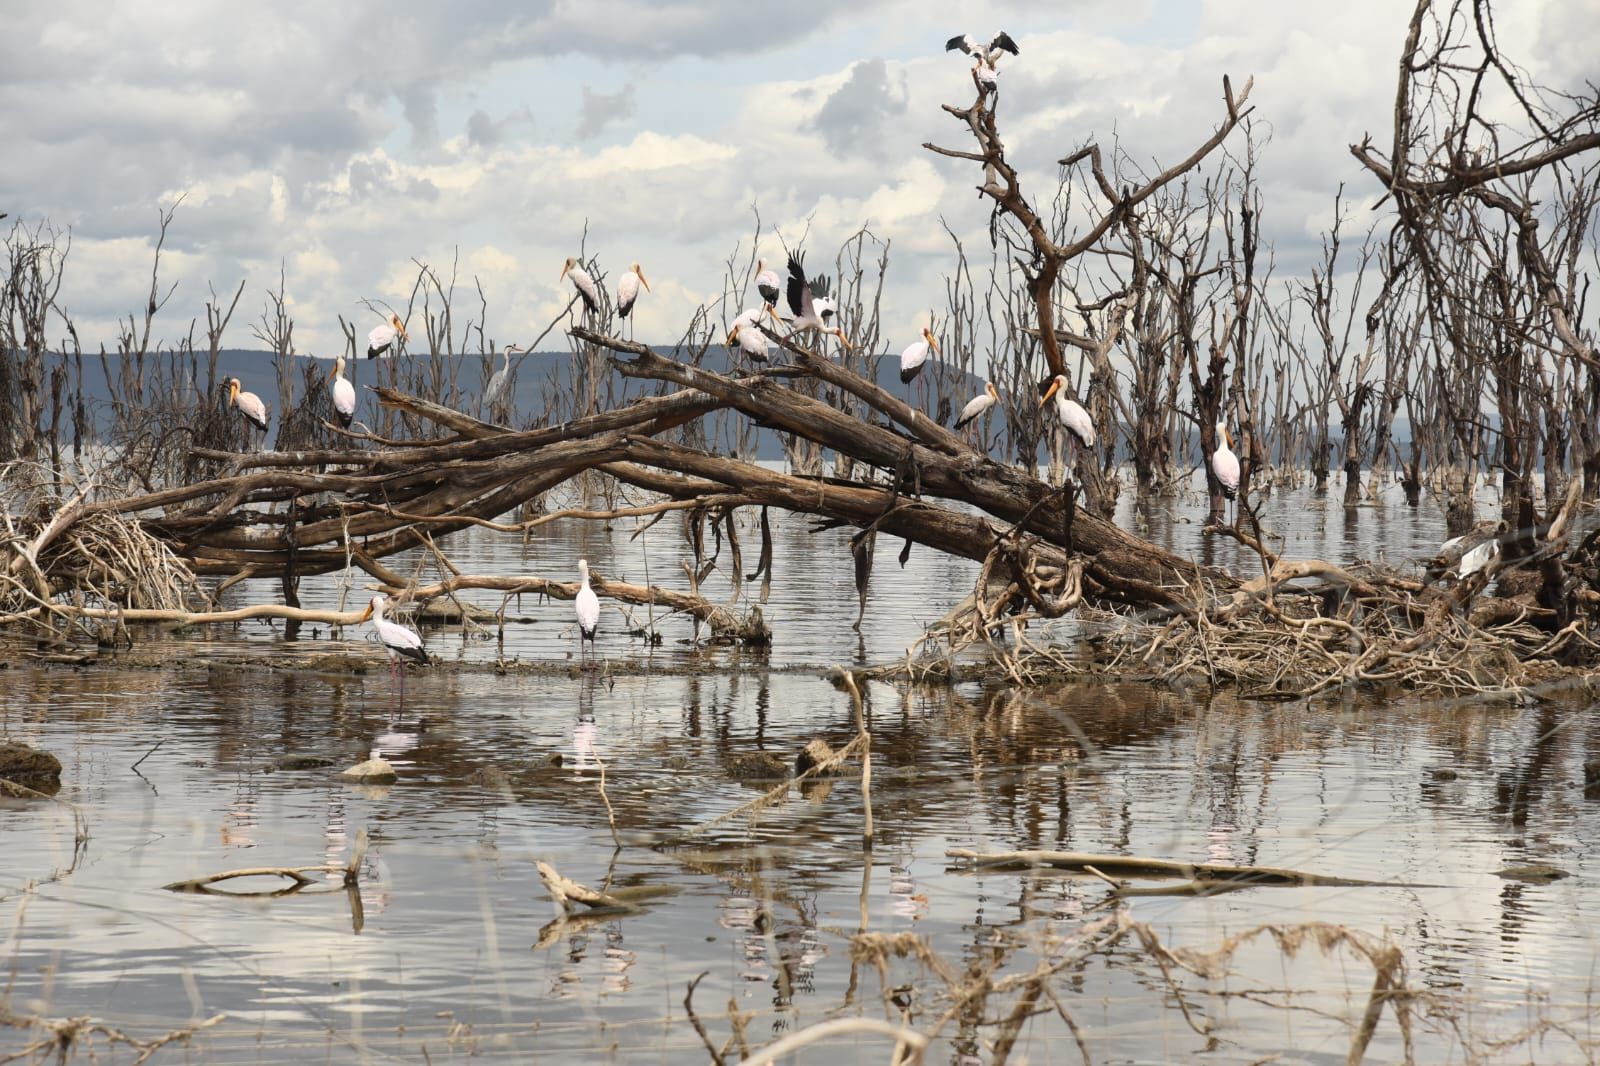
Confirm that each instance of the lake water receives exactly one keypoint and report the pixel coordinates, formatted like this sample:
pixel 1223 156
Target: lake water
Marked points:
pixel 451 948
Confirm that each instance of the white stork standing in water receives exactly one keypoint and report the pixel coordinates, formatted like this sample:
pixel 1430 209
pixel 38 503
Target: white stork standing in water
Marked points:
pixel 583 283
pixel 343 393
pixel 767 283
pixel 587 606
pixel 249 405
pixel 746 333
pixel 497 384
pixel 1074 419
pixel 1224 464
pixel 628 290
pixel 401 643
pixel 809 305
pixel 382 336
pixel 978 405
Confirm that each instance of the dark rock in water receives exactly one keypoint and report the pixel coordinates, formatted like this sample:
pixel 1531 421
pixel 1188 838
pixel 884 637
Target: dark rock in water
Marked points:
pixel 338 663
pixel 757 766
pixel 1533 873
pixel 303 761
pixel 553 759
pixel 28 766
pixel 1443 773
pixel 817 752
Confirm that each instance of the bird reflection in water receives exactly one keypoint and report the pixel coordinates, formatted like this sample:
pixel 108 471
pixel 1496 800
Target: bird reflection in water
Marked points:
pixel 618 961
pixel 904 899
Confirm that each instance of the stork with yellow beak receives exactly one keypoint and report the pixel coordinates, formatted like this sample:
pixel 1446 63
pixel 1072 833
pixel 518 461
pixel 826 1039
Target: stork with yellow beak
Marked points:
pixel 978 405
pixel 343 393
pixel 1074 419
pixel 746 333
pixel 249 405
pixel 583 283
pixel 913 358
pixel 381 337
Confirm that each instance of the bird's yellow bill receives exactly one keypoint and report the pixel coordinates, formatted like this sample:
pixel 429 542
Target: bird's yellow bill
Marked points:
pixel 933 343
pixel 367 613
pixel 847 345
pixel 644 281
pixel 733 335
pixel 1051 391
pixel 564 268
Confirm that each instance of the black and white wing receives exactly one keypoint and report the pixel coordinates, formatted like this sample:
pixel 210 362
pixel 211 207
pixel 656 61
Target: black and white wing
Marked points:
pixel 1002 42
pixel 963 43
pixel 799 295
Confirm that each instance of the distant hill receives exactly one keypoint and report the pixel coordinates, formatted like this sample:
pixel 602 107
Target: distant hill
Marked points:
pixel 537 375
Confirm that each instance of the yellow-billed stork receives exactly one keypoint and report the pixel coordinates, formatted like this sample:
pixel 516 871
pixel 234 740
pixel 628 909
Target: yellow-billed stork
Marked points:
pixel 342 393
pixel 249 405
pixel 978 405
pixel 402 644
pixel 382 336
pixel 915 355
pixel 1076 421
pixel 746 333
pixel 809 304
pixel 583 283
pixel 767 282
pixel 628 289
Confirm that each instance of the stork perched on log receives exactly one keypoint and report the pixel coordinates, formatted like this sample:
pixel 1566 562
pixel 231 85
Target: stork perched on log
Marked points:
pixel 1467 554
pixel 628 289
pixel 746 333
pixel 1224 464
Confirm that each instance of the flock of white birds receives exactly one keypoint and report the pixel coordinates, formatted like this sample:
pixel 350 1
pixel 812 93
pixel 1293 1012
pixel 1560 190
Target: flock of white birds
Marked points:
pixel 811 307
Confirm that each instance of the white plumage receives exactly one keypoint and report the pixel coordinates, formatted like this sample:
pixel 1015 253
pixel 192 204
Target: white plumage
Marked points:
pixel 400 642
pixel 746 333
pixel 978 405
pixel 1224 464
pixel 587 607
pixel 915 355
pixel 343 393
pixel 809 305
pixel 249 405
pixel 381 337
pixel 583 283
pixel 767 283
pixel 1080 428
pixel 1479 558
pixel 989 54
pixel 628 289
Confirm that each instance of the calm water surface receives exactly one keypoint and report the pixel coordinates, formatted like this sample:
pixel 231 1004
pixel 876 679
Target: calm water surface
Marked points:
pixel 452 949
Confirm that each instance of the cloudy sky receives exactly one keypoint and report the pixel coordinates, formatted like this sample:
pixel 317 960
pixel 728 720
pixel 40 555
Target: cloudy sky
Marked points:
pixel 345 139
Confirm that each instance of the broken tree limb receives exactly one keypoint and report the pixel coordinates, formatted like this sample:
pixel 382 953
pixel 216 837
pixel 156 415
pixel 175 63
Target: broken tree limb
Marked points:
pixel 1137 866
